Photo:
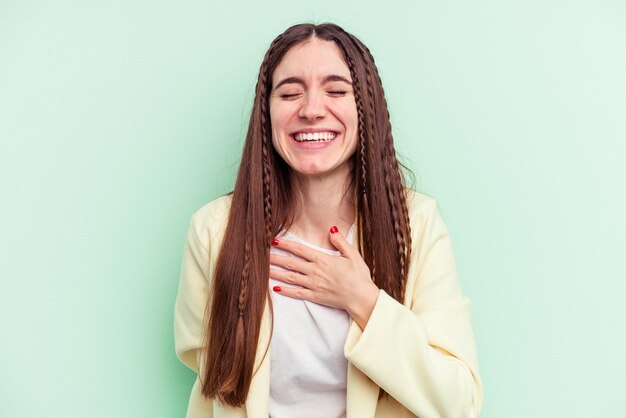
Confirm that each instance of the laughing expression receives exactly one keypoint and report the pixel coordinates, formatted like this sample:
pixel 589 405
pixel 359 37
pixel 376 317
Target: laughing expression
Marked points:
pixel 312 110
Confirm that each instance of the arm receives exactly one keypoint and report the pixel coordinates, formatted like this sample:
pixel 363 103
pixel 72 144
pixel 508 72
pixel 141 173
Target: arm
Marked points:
pixel 423 354
pixel 193 296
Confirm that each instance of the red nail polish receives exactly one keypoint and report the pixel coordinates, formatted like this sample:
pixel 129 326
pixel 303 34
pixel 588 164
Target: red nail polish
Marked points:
pixel 333 229
pixel 274 242
pixel 276 289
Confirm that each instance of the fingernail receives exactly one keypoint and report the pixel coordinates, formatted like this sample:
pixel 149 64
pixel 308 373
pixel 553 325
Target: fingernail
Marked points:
pixel 333 229
pixel 274 242
pixel 276 289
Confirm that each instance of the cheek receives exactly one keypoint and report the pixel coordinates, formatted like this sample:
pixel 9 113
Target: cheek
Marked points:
pixel 279 115
pixel 275 124
pixel 276 130
pixel 354 115
pixel 276 143
pixel 349 114
pixel 273 116
pixel 353 123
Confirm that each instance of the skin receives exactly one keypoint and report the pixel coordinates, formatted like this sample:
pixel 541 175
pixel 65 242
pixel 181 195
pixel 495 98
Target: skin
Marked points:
pixel 313 92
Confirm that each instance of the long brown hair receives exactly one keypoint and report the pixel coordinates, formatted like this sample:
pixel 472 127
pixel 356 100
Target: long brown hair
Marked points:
pixel 262 204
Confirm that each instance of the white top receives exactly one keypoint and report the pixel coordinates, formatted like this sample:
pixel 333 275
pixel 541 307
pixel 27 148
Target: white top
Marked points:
pixel 308 370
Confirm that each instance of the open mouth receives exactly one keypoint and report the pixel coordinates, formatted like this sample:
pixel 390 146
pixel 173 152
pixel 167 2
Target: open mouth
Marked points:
pixel 314 136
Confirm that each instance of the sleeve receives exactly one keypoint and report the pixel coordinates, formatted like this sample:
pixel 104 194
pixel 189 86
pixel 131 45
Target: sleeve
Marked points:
pixel 424 355
pixel 189 309
pixel 192 297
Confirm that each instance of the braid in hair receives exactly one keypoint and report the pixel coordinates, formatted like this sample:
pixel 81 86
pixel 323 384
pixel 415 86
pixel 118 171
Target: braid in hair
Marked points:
pixel 234 377
pixel 369 139
pixel 263 94
pixel 396 195
pixel 237 376
pixel 365 231
pixel 267 192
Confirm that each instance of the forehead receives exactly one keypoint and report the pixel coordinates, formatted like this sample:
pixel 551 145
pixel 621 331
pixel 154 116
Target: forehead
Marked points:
pixel 312 59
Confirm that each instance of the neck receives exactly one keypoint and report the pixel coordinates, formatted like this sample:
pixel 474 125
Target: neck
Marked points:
pixel 324 202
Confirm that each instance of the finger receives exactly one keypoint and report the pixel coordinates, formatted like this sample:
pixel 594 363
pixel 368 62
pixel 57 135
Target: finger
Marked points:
pixel 294 292
pixel 340 243
pixel 290 263
pixel 297 249
pixel 289 277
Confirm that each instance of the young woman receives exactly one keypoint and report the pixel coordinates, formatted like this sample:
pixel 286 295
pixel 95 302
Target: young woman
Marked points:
pixel 322 287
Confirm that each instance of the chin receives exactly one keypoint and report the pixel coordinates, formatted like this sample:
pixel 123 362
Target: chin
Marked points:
pixel 315 170
pixel 310 172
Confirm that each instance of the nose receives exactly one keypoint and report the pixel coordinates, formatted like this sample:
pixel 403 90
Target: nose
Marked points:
pixel 313 106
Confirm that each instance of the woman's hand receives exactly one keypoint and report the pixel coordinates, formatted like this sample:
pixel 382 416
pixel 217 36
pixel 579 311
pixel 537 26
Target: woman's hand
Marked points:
pixel 342 282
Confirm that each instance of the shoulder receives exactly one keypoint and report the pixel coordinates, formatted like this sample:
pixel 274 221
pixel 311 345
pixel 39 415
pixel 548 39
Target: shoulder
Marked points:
pixel 210 220
pixel 214 211
pixel 432 278
pixel 425 216
pixel 419 205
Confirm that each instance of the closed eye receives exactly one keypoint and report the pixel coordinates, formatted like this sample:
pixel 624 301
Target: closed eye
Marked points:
pixel 337 93
pixel 289 96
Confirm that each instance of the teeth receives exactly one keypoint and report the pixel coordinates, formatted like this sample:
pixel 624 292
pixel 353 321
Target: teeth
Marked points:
pixel 316 136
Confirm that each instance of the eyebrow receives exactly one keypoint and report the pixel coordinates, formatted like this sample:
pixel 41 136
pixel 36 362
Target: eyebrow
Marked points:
pixel 297 80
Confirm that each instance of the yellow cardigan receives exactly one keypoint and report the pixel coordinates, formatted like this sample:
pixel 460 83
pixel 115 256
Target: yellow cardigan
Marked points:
pixel 421 352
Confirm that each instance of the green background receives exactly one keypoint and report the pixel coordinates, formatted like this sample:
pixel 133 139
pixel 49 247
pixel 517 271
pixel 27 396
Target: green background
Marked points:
pixel 119 119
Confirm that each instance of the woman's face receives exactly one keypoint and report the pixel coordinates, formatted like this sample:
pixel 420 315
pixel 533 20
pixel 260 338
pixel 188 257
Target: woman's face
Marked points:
pixel 313 111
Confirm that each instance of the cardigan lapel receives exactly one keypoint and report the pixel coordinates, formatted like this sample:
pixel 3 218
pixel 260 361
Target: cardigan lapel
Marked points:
pixel 258 396
pixel 362 396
